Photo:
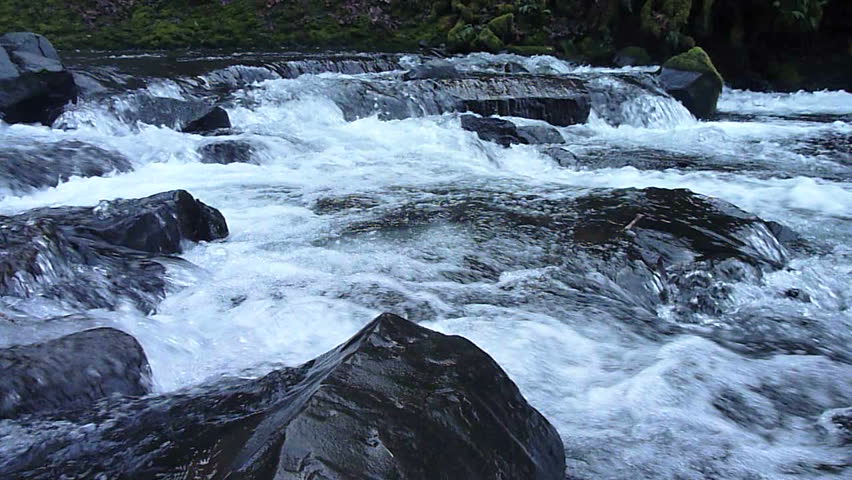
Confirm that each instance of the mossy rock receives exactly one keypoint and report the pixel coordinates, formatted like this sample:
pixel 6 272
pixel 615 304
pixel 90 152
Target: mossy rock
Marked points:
pixel 694 60
pixel 530 50
pixel 461 37
pixel 692 79
pixel 503 26
pixel 488 41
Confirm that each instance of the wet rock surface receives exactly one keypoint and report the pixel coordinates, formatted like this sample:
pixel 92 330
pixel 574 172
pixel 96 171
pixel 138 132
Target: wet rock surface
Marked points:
pixel 71 372
pixel 506 133
pixel 227 151
pixel 29 167
pixel 96 257
pixel 34 85
pixel 215 119
pixel 635 251
pixel 395 401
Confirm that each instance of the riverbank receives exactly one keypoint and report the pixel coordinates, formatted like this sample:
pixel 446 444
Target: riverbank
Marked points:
pixel 756 45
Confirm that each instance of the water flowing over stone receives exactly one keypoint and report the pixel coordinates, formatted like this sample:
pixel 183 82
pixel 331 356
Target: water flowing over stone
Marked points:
pixel 671 293
pixel 394 401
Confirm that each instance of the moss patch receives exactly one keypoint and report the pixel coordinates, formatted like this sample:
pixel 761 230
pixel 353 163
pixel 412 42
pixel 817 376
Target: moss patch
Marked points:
pixel 460 38
pixel 488 41
pixel 695 60
pixel 659 17
pixel 503 26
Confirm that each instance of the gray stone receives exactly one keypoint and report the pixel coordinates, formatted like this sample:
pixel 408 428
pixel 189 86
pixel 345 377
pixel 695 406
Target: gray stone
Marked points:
pixel 35 63
pixel 537 134
pixel 7 68
pixel 30 43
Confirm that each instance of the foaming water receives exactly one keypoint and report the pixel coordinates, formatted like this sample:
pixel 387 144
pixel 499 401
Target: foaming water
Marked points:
pixel 810 103
pixel 288 284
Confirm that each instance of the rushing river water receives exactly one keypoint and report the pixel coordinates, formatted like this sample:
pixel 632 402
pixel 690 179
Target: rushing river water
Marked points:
pixel 636 389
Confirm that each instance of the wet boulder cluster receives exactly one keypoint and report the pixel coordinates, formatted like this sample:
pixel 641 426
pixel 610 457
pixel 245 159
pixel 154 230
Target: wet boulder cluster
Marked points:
pixel 394 401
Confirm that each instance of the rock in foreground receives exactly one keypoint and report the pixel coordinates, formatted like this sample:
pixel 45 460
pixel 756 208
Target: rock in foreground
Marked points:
pixel 71 372
pixel 396 401
pixel 34 85
pixel 95 257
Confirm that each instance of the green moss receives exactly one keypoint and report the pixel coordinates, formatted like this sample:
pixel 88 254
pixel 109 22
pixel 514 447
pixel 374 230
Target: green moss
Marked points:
pixel 488 41
pixel 658 17
pixel 695 60
pixel 465 13
pixel 503 26
pixel 504 8
pixel 460 38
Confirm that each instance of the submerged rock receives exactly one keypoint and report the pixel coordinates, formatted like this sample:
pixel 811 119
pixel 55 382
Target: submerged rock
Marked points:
pixel 632 253
pixel 225 152
pixel 34 85
pixel 692 79
pixel 432 70
pixel 71 372
pixel 506 133
pixel 96 257
pixel 39 166
pixel 396 401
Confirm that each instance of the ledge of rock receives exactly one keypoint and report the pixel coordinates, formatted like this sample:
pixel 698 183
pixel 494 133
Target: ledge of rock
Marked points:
pixel 34 85
pixel 396 401
pixel 71 372
pixel 506 133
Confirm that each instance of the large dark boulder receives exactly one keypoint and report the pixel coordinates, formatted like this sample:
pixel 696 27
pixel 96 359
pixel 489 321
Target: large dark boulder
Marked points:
pixel 34 85
pixel 692 79
pixel 156 224
pixel 71 372
pixel 32 166
pixel 396 401
pixel 98 257
pixel 506 133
